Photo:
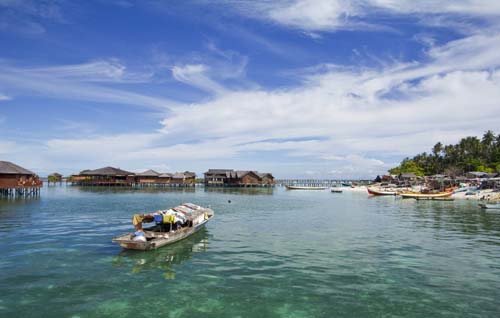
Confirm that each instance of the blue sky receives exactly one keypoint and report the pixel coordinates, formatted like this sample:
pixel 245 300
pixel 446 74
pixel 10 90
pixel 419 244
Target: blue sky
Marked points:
pixel 300 88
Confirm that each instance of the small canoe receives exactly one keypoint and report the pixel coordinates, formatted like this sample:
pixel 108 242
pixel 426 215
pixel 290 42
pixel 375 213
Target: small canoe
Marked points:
pixel 418 195
pixel 495 206
pixel 157 237
pixel 373 191
pixel 304 188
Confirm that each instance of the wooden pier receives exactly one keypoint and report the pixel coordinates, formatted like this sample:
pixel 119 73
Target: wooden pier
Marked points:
pixel 320 182
pixel 20 192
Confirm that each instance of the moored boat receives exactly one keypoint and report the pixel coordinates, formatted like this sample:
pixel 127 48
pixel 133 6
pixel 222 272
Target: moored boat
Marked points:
pixel 374 191
pixel 172 225
pixel 304 188
pixel 334 190
pixel 420 195
pixel 435 199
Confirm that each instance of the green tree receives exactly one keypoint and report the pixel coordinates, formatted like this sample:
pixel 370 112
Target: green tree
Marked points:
pixel 469 154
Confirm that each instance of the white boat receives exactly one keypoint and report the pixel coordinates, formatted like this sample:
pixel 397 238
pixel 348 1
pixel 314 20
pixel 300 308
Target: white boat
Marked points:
pixel 490 205
pixel 159 235
pixel 304 188
pixel 374 191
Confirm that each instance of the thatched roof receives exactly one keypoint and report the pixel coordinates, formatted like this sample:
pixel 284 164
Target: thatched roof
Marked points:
pixel 106 171
pixel 55 174
pixel 189 174
pixel 148 173
pixel 165 175
pixel 7 167
pixel 266 174
pixel 183 175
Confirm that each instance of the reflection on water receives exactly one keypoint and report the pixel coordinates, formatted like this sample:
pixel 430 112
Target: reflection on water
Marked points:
pixel 236 191
pixel 163 258
pixel 466 218
pixel 111 190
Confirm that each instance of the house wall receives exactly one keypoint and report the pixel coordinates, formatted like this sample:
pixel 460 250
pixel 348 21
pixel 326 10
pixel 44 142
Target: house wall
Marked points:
pixel 15 181
pixel 8 181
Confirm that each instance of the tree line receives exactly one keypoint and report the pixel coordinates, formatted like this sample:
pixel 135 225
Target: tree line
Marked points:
pixel 470 154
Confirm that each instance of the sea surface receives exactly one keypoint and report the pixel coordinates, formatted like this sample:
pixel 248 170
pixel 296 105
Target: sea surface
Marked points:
pixel 267 253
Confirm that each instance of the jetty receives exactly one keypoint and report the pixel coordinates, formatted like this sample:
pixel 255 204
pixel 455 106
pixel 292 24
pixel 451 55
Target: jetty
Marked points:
pixel 16 181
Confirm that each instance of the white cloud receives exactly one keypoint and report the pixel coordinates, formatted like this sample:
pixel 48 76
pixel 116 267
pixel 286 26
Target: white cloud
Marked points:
pixel 353 121
pixel 195 75
pixel 4 97
pixel 7 147
pixel 105 71
pixel 329 15
pixel 80 82
pixel 28 16
pixel 312 14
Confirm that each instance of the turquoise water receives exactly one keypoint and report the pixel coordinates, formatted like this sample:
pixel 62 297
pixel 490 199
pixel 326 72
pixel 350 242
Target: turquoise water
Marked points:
pixel 268 253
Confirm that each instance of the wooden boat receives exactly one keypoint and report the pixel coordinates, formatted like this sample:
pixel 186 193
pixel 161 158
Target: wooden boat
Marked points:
pixel 420 195
pixel 333 190
pixel 156 236
pixel 304 188
pixel 435 198
pixel 373 191
pixel 490 205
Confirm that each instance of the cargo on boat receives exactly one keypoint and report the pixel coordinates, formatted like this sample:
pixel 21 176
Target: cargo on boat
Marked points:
pixel 170 226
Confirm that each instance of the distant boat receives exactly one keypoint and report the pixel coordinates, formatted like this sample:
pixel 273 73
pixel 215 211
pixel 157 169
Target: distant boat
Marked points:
pixel 336 190
pixel 194 216
pixel 490 205
pixel 304 188
pixel 420 195
pixel 373 191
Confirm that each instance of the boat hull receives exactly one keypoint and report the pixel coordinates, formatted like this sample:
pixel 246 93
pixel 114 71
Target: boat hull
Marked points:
pixel 377 192
pixel 157 239
pixel 424 196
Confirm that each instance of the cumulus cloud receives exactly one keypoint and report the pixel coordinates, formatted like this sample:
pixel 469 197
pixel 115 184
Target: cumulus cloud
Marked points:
pixel 346 121
pixel 354 121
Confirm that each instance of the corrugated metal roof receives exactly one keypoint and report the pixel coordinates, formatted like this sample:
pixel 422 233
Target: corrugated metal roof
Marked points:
pixel 7 167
